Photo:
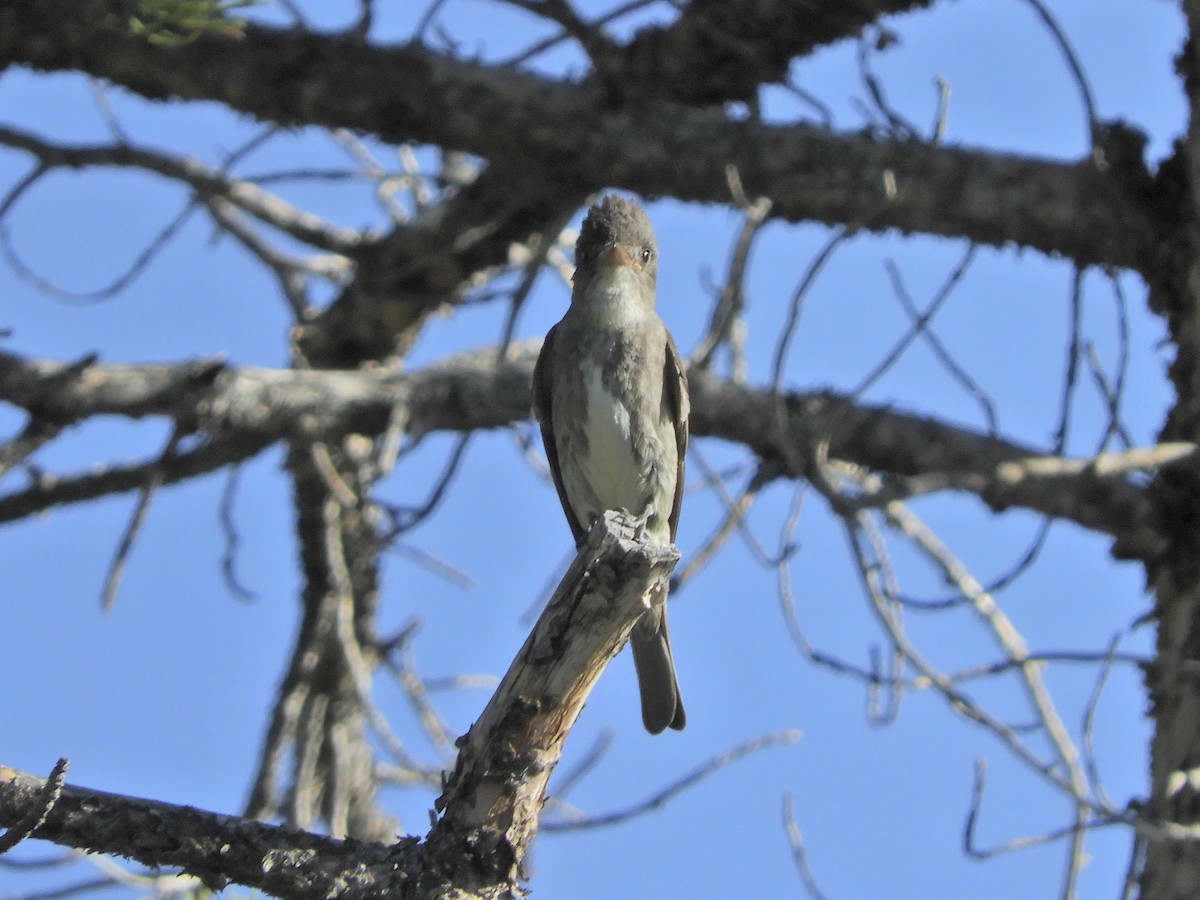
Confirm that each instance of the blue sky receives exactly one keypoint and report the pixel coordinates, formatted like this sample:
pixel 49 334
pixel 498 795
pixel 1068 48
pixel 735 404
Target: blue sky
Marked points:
pixel 166 696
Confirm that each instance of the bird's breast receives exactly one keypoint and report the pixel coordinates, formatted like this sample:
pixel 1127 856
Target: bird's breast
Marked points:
pixel 616 445
pixel 609 463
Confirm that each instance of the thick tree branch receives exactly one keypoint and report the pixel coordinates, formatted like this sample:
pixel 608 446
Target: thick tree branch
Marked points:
pixel 218 849
pixel 506 759
pixel 1171 871
pixel 423 265
pixel 469 392
pixel 643 144
pixel 491 804
pixel 719 51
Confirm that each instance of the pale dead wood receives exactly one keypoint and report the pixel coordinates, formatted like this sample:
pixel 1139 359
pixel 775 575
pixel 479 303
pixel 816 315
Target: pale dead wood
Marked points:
pixel 506 759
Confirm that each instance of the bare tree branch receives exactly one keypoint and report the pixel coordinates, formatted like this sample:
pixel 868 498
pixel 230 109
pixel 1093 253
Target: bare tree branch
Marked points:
pixel 490 805
pixel 220 849
pixel 205 181
pixel 661 797
pixel 473 391
pixel 505 760
pixel 32 820
pixel 404 94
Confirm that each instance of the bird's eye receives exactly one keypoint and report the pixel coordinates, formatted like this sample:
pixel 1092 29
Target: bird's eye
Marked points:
pixel 645 255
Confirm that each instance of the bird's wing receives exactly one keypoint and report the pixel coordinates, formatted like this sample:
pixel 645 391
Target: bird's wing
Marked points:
pixel 543 412
pixel 676 389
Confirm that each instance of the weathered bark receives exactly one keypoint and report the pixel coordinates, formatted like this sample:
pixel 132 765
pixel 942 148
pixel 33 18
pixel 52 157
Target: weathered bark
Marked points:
pixel 1172 867
pixel 491 803
pixel 474 391
pixel 634 122
pixel 580 136
pixel 505 761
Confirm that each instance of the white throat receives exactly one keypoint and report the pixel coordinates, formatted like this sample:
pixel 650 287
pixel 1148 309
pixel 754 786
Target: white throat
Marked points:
pixel 614 297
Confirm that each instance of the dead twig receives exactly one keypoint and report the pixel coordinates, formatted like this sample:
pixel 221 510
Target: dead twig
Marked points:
pixel 46 798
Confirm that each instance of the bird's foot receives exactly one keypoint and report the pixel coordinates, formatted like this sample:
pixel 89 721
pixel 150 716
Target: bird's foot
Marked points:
pixel 640 523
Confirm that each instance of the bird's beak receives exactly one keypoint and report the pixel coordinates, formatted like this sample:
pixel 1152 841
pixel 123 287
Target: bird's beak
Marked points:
pixel 614 257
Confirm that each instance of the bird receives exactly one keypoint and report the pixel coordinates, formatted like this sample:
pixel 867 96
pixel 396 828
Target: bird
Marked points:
pixel 611 399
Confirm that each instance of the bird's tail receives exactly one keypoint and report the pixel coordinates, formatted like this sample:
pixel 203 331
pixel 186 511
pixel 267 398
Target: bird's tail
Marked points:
pixel 662 706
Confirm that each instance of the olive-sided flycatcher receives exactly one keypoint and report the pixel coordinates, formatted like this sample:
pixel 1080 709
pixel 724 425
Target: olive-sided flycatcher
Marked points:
pixel 611 398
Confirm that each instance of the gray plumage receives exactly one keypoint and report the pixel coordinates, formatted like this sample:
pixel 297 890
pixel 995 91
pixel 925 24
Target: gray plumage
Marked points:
pixel 611 399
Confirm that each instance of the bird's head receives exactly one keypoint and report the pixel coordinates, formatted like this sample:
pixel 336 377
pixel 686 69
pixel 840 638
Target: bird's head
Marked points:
pixel 616 235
